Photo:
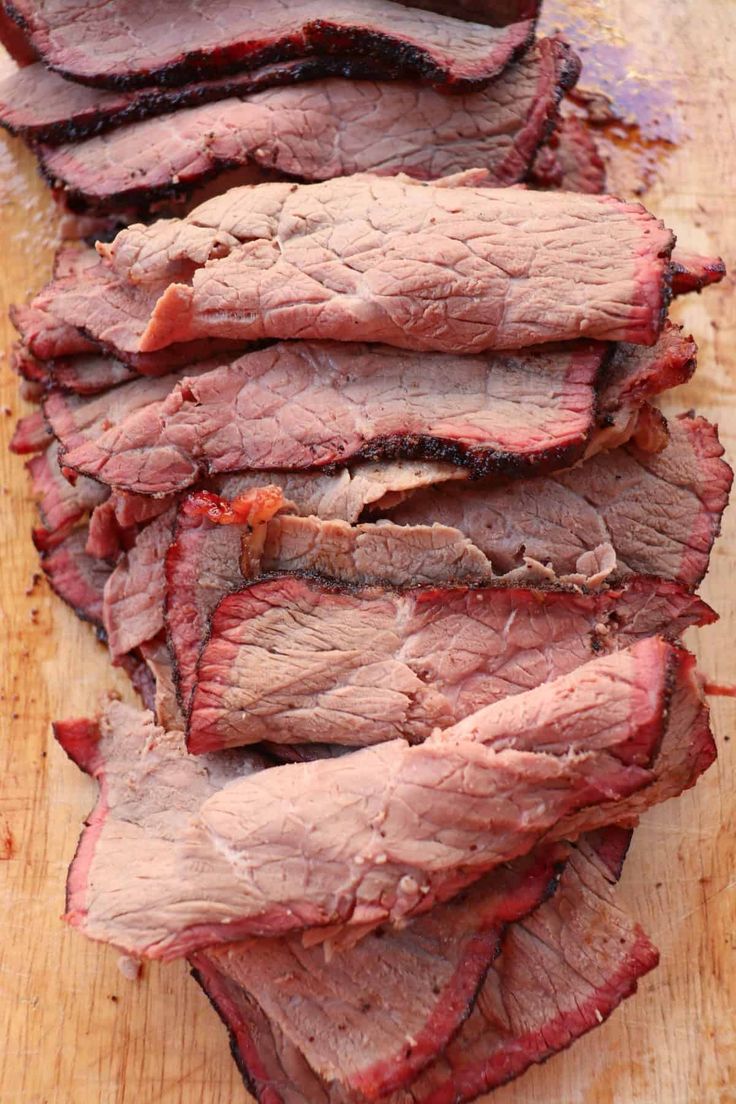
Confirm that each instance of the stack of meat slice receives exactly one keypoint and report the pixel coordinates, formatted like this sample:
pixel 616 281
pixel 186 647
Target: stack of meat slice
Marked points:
pixel 359 473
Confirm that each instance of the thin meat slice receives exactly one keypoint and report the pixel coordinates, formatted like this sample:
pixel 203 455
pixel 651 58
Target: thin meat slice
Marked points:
pixel 387 838
pixel 373 1015
pixel 89 374
pixel 15 41
pixel 569 160
pixel 77 578
pixel 451 266
pixel 204 559
pixel 320 130
pixel 307 405
pixel 561 973
pixel 31 434
pixel 79 277
pixel 294 660
pixel 61 503
pixel 661 512
pixel 104 46
pixel 41 106
pixel 133 609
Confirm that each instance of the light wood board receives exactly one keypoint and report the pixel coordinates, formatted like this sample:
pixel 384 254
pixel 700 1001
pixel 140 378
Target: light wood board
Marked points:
pixel 72 1029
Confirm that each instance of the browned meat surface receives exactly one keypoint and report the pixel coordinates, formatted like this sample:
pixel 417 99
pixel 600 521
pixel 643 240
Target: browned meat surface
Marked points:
pixel 104 45
pixel 60 502
pixel 292 660
pixel 77 578
pixel 422 266
pixel 391 838
pixel 319 130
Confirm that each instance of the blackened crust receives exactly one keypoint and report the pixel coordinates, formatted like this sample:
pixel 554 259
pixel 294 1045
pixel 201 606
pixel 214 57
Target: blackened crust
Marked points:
pixel 391 56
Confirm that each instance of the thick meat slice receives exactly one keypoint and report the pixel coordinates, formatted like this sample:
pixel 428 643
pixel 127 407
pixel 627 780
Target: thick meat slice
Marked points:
pixel 104 46
pixel 569 160
pixel 89 374
pixel 15 41
pixel 77 578
pixel 372 1016
pixel 307 405
pixel 661 511
pixel 451 266
pixel 61 503
pixel 379 835
pixel 323 129
pixel 561 973
pixel 291 660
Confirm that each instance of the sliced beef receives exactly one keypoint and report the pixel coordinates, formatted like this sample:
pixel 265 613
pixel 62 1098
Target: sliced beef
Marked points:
pixel 450 266
pixel 41 106
pixel 133 607
pixel 372 1016
pixel 90 374
pixel 496 12
pixel 569 160
pixel 308 405
pixel 31 434
pixel 61 503
pixel 387 837
pixel 104 46
pixel 77 578
pixel 560 974
pixel 661 511
pixel 103 304
pixel 155 655
pixel 693 272
pixel 15 41
pixel 292 660
pixel 320 130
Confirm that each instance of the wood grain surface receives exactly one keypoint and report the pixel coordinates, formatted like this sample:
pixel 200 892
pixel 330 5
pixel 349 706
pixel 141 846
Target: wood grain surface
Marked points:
pixel 72 1029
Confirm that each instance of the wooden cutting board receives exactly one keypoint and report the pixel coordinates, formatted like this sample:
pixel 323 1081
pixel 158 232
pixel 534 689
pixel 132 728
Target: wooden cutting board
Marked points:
pixel 72 1029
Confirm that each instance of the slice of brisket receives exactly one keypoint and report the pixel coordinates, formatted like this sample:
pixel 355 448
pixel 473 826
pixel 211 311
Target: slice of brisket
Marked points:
pixel 104 46
pixel 77 578
pixel 61 503
pixel 295 660
pixel 661 511
pixel 309 405
pixel 104 305
pixel 450 266
pixel 88 374
pixel 320 130
pixel 133 609
pixel 373 1015
pixel 391 838
pixel 31 434
pixel 569 160
pixel 562 972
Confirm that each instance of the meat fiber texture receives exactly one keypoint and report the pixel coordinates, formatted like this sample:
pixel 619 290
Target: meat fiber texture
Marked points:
pixel 78 274
pixel 307 405
pixel 561 973
pixel 569 160
pixel 320 130
pixel 661 512
pixel 77 578
pixel 391 838
pixel 449 266
pixel 127 45
pixel 294 660
pixel 61 503
pixel 373 1015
